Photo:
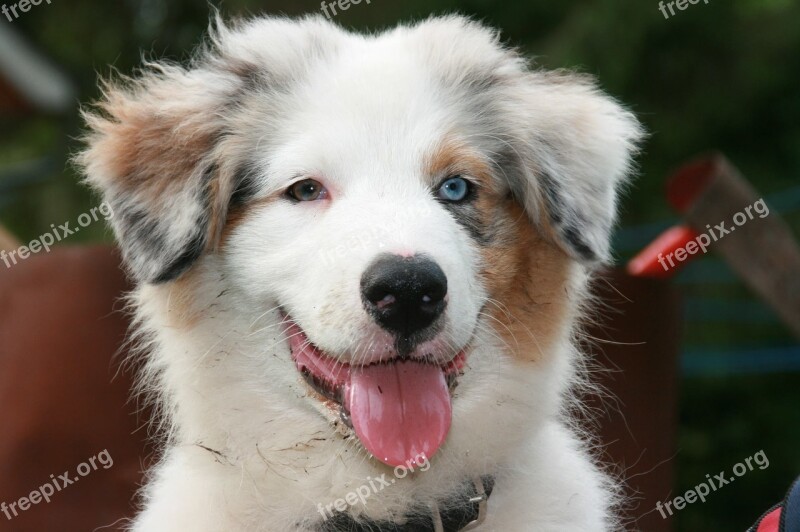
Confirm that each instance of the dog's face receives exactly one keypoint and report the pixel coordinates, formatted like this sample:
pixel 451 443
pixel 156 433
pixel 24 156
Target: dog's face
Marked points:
pixel 389 202
pixel 375 258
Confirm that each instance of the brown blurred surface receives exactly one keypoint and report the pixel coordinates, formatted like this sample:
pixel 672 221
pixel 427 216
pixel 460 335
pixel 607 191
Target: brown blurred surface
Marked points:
pixel 63 399
pixel 637 343
pixel 7 240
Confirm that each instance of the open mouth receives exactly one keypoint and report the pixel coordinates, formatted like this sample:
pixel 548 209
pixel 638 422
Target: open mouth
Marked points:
pixel 400 409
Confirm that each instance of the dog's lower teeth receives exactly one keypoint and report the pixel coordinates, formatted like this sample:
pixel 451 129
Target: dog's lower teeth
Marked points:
pixel 319 385
pixel 345 418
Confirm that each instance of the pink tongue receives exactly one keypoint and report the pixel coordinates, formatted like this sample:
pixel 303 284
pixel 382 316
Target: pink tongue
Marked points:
pixel 401 412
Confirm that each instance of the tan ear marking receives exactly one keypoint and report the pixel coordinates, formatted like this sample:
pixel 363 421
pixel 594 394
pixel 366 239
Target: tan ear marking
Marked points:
pixel 527 278
pixel 149 152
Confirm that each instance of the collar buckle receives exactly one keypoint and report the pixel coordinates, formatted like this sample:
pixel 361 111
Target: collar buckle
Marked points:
pixel 481 499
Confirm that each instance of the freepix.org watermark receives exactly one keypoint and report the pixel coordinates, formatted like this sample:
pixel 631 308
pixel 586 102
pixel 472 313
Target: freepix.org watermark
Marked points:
pixel 373 486
pixel 680 4
pixel 343 5
pixel 23 6
pixel 63 231
pixel 720 231
pixel 368 238
pixel 56 484
pixel 704 489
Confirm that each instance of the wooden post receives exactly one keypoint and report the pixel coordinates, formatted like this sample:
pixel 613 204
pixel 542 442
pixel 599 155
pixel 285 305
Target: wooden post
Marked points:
pixel 759 248
pixel 636 343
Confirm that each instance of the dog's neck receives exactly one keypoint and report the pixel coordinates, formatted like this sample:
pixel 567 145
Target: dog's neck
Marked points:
pixel 464 510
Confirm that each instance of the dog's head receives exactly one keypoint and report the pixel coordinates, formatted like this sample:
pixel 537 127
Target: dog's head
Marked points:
pixel 392 200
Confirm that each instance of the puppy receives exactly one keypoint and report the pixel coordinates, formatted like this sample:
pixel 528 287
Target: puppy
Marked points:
pixel 360 264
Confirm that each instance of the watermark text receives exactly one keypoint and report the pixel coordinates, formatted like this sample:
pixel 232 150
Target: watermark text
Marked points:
pixel 712 484
pixel 373 486
pixel 56 484
pixel 57 234
pixel 718 232
pixel 680 4
pixel 23 5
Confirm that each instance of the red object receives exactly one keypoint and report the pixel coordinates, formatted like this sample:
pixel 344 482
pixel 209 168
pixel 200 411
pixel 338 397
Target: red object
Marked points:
pixel 685 186
pixel 771 522
pixel 689 182
pixel 653 261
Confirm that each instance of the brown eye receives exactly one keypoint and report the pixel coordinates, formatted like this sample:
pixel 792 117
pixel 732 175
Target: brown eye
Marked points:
pixel 307 190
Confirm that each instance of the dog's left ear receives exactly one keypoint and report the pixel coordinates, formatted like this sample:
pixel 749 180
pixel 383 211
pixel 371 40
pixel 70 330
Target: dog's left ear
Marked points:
pixel 577 145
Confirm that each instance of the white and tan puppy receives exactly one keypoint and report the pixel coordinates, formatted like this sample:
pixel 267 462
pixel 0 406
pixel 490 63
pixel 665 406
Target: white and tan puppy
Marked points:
pixel 360 263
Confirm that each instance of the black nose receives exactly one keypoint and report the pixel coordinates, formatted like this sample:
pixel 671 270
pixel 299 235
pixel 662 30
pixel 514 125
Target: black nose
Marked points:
pixel 404 295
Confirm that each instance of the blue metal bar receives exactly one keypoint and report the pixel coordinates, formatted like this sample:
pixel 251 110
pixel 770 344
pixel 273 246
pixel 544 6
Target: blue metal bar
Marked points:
pixel 698 363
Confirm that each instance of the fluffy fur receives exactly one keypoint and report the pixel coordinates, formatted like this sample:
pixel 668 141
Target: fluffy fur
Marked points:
pixel 195 161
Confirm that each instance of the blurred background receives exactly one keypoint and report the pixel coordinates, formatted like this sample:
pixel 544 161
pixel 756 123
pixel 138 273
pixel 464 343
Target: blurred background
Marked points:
pixel 722 75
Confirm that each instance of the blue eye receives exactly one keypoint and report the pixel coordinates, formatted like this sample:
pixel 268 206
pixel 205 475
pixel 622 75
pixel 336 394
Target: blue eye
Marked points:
pixel 454 189
pixel 307 190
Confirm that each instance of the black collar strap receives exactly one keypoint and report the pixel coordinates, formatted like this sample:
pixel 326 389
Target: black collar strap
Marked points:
pixel 464 511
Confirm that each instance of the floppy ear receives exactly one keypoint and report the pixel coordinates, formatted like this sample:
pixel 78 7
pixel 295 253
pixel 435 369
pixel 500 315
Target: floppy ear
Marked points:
pixel 148 152
pixel 578 146
pixel 156 147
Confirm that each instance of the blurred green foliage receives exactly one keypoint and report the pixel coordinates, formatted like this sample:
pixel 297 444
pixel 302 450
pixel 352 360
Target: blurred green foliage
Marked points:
pixel 719 76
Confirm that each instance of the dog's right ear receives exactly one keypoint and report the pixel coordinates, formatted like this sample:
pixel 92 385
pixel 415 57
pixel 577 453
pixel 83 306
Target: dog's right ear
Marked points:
pixel 149 154
pixel 155 146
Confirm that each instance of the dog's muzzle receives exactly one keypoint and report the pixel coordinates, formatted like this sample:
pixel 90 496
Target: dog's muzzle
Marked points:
pixel 400 405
